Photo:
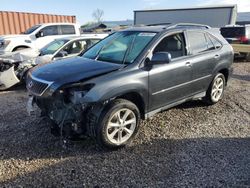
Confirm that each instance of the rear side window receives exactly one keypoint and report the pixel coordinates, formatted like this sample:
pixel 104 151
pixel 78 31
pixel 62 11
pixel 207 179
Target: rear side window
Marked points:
pixel 50 30
pixel 197 42
pixel 232 32
pixel 68 29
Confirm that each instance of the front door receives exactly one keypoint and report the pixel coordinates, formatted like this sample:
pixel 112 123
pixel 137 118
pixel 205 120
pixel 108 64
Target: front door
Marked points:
pixel 170 82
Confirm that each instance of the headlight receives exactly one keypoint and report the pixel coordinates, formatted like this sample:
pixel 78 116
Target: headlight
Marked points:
pixel 4 43
pixel 77 94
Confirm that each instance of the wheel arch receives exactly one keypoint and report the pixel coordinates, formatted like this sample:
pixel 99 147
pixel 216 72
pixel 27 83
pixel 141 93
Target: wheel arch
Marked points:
pixel 135 98
pixel 20 46
pixel 225 72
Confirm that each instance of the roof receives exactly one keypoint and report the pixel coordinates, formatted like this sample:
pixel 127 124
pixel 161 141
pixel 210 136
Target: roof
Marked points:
pixel 58 23
pixel 190 8
pixel 160 28
pixel 147 28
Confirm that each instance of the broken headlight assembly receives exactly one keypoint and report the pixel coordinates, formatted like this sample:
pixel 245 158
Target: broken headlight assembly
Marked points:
pixel 77 93
pixel 4 43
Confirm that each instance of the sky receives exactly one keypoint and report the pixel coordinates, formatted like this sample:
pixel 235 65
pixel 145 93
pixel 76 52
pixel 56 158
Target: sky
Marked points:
pixel 113 9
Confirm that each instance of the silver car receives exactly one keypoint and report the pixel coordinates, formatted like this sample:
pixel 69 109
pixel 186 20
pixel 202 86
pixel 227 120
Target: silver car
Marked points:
pixel 14 66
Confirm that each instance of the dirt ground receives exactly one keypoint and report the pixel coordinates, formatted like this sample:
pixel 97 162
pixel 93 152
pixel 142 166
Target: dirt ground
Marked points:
pixel 191 145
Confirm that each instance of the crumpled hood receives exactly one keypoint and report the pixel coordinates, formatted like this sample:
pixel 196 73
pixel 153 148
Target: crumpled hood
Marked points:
pixel 43 59
pixel 71 70
pixel 22 55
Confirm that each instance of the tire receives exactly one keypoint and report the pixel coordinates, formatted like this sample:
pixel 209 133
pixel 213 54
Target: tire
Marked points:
pixel 216 89
pixel 113 133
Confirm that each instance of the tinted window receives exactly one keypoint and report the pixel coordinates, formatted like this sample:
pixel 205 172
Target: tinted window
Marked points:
pixel 232 32
pixel 32 29
pixel 173 44
pixel 50 30
pixel 68 29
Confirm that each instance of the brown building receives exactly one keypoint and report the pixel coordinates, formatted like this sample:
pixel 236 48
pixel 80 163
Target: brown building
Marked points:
pixel 18 22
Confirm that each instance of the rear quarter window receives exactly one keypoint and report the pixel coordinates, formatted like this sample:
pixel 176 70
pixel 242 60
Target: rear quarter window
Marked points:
pixel 217 44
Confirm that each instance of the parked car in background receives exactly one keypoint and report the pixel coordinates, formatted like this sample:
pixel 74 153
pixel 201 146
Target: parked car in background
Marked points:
pixel 131 74
pixel 13 68
pixel 37 36
pixel 239 38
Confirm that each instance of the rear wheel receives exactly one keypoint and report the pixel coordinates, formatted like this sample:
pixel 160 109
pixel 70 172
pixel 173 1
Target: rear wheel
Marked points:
pixel 216 89
pixel 118 124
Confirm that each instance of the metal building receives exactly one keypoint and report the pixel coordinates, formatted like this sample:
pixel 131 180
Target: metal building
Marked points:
pixel 17 22
pixel 214 16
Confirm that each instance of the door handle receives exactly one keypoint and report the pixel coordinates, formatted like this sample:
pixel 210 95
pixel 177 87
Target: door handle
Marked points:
pixel 217 56
pixel 188 64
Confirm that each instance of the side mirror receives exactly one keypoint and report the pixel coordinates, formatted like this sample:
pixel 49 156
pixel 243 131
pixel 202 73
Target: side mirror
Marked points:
pixel 161 58
pixel 62 54
pixel 39 34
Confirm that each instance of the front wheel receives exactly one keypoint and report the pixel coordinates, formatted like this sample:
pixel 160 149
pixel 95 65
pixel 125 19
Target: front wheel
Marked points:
pixel 216 89
pixel 118 124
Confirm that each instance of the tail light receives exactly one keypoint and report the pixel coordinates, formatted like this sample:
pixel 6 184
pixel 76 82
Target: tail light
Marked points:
pixel 243 39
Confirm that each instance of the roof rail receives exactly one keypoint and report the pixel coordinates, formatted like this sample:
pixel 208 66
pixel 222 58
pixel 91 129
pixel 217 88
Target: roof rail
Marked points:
pixel 189 25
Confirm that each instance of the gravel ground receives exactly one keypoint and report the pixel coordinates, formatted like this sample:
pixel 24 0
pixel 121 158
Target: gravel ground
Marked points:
pixel 192 145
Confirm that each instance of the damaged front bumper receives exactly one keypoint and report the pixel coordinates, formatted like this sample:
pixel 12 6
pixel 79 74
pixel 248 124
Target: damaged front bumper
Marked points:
pixel 8 78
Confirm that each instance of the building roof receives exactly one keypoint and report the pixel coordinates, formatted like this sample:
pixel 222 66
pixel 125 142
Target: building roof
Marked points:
pixel 190 8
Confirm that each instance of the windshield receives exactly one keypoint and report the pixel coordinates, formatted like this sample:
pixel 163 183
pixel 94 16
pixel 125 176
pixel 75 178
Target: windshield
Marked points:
pixel 52 47
pixel 121 47
pixel 30 30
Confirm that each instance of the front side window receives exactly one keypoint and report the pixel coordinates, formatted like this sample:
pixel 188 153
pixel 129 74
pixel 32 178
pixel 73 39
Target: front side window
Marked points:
pixel 68 29
pixel 173 44
pixel 121 47
pixel 52 47
pixel 31 30
pixel 77 47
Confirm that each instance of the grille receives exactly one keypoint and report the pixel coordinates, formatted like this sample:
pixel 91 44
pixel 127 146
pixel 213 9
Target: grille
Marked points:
pixel 36 87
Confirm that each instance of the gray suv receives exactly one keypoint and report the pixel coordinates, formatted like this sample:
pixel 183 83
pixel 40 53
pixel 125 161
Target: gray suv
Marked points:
pixel 128 76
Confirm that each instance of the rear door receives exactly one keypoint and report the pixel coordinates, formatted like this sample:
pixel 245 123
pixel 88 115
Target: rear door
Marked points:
pixel 169 83
pixel 204 50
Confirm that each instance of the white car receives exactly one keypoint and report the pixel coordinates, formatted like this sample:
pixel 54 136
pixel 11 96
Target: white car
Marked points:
pixel 37 36
pixel 14 67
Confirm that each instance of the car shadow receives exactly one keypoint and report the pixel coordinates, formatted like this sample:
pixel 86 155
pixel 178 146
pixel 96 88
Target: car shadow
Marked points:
pixel 241 77
pixel 194 162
